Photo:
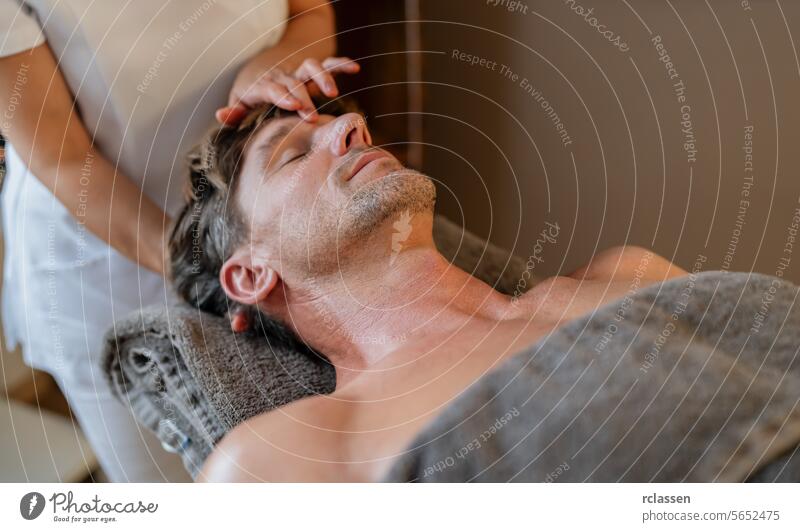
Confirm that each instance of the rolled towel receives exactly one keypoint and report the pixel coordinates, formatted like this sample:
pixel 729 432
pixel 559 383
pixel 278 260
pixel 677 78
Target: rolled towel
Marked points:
pixel 190 379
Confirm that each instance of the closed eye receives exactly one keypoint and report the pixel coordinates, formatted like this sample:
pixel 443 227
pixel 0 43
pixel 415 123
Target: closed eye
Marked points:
pixel 295 158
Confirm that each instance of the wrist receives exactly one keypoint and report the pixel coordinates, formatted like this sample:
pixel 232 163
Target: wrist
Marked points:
pixel 287 56
pixel 265 62
pixel 153 254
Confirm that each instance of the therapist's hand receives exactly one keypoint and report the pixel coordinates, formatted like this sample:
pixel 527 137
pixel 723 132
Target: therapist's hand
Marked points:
pixel 288 90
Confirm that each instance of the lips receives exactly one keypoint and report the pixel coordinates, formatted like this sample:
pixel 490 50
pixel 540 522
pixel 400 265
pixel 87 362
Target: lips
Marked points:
pixel 363 161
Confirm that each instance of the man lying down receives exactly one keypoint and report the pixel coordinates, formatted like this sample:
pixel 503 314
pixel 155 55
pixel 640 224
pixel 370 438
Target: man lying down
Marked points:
pixel 312 225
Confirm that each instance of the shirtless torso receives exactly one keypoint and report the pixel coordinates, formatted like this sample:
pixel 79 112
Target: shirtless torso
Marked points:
pixel 355 433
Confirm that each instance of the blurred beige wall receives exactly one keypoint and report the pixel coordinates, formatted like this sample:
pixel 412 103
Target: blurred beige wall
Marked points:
pixel 502 164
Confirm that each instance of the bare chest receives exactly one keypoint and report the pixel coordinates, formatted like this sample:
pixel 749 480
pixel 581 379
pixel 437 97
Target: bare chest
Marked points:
pixel 392 405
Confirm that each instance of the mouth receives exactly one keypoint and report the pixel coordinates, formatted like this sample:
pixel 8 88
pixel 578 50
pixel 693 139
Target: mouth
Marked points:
pixel 363 161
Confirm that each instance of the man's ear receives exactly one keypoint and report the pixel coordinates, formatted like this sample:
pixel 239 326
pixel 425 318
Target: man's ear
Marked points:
pixel 245 282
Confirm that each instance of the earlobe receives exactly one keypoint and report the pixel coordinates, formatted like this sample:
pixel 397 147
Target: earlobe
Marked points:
pixel 247 284
pixel 239 322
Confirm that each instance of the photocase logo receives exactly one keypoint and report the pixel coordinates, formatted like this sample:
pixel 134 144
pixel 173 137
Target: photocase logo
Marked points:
pixel 402 230
pixel 31 505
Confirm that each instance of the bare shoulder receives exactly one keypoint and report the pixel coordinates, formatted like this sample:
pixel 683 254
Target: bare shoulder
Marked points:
pixel 607 276
pixel 302 441
pixel 626 262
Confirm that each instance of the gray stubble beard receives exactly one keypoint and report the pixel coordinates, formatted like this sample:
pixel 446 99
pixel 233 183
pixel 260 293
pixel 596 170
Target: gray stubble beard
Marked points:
pixel 366 210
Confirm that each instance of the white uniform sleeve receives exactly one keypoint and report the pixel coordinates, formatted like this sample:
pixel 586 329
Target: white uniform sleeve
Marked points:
pixel 19 29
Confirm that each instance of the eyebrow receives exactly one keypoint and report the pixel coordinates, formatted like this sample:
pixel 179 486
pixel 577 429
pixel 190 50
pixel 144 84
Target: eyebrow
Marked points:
pixel 267 147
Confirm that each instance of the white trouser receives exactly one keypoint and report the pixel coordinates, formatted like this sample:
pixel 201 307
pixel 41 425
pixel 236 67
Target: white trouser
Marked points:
pixel 126 451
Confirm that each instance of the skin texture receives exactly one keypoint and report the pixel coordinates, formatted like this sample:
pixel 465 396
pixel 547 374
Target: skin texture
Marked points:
pixel 406 331
pixel 50 138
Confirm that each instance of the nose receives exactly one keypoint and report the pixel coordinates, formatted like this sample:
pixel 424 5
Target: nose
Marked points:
pixel 348 132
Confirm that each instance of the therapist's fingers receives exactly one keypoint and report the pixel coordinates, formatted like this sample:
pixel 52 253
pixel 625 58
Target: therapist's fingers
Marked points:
pixel 231 115
pixel 345 65
pixel 312 70
pixel 274 89
pixel 307 110
pixel 265 91
pixel 280 95
pixel 320 75
pixel 287 91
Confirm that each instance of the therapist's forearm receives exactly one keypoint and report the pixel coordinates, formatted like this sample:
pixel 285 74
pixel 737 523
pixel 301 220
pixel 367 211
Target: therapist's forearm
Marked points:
pixel 309 33
pixel 113 208
pixel 102 199
pixel 50 138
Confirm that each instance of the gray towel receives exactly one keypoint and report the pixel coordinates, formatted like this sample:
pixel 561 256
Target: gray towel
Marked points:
pixel 189 379
pixel 694 379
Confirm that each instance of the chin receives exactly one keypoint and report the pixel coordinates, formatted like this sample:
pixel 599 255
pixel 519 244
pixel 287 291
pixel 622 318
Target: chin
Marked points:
pixel 380 200
pixel 374 208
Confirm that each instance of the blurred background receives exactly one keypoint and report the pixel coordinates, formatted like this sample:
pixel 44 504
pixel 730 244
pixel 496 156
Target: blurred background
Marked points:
pixel 669 124
pixel 492 143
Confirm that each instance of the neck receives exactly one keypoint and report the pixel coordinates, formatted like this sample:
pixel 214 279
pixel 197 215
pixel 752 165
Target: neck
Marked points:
pixel 373 307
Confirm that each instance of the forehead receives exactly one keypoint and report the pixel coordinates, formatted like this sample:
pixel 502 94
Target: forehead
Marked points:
pixel 268 137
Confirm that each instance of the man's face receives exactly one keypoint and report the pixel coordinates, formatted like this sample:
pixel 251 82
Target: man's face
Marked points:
pixel 311 192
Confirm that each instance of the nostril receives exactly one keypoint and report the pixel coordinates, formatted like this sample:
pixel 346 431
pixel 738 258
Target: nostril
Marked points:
pixel 351 137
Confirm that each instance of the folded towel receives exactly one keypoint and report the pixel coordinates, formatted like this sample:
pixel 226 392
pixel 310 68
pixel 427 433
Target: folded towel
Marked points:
pixel 146 370
pixel 694 379
pixel 189 379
